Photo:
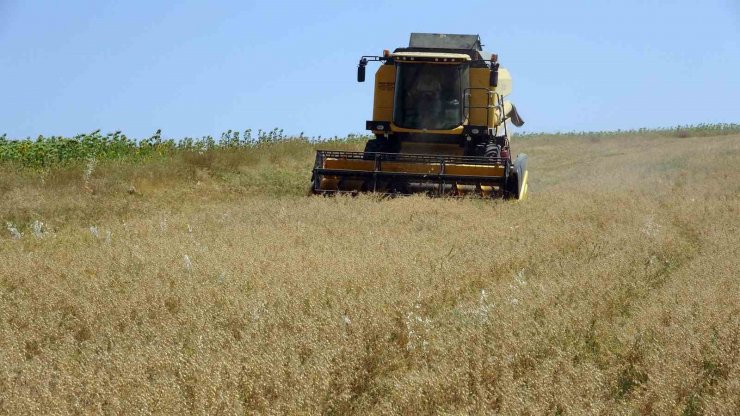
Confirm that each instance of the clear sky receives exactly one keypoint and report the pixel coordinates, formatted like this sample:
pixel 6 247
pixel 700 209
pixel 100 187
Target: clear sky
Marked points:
pixel 194 68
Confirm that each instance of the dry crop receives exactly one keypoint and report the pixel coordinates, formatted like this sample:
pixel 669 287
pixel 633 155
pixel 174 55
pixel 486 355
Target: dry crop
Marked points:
pixel 208 283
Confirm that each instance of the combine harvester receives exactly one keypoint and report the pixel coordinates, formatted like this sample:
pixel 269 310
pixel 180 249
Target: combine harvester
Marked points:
pixel 440 125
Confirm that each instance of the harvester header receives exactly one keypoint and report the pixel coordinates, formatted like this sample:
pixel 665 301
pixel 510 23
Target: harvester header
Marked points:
pixel 440 123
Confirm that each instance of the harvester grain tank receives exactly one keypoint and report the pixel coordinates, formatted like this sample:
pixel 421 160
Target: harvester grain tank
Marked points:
pixel 440 120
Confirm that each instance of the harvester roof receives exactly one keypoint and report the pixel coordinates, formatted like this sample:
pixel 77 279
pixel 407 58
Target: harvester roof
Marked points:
pixel 441 43
pixel 439 56
pixel 444 41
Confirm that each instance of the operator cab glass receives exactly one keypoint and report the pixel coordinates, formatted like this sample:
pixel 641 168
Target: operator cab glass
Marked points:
pixel 429 96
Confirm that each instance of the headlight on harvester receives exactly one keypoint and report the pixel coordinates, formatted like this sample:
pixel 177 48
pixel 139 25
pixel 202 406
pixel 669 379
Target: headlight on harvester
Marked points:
pixel 474 130
pixel 378 125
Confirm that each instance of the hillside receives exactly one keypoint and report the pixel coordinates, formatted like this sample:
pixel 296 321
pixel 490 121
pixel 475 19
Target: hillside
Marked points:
pixel 206 281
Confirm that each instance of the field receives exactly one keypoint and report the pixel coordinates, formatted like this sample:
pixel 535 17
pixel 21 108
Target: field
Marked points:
pixel 199 278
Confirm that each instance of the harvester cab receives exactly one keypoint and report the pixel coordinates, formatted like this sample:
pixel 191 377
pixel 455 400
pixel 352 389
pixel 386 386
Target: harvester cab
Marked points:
pixel 440 121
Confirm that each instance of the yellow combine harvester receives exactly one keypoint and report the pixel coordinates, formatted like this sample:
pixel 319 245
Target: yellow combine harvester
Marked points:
pixel 440 124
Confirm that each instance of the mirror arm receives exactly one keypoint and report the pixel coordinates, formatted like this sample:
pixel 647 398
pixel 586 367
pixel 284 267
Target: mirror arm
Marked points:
pixel 363 63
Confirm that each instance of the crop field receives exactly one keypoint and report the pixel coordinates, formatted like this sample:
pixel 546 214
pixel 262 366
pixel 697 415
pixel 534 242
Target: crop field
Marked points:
pixel 197 277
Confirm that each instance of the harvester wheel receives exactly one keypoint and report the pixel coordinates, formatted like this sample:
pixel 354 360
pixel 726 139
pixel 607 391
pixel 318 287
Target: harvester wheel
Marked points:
pixel 512 187
pixel 517 183
pixel 493 150
pixel 487 148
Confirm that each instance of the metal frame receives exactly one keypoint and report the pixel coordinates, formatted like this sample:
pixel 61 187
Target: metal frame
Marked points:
pixel 365 59
pixel 499 104
pixel 441 178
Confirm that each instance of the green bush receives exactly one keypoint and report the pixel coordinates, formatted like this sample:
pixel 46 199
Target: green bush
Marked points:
pixel 56 150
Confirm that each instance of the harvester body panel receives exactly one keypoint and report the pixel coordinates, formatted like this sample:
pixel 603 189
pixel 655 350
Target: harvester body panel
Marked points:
pixel 385 87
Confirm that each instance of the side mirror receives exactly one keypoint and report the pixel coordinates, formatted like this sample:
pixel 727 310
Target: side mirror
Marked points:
pixel 494 75
pixel 361 70
pixel 360 74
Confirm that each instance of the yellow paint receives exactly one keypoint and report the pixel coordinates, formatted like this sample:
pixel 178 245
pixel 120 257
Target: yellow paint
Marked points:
pixel 456 130
pixel 523 193
pixel 385 86
pixel 476 170
pixel 494 171
pixel 479 96
pixel 482 94
pixel 351 164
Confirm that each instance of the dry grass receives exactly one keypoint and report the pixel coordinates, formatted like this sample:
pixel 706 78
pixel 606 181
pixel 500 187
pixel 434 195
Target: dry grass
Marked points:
pixel 210 285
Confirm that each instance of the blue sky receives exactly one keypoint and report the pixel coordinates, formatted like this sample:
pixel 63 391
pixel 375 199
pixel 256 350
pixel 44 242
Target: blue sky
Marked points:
pixel 197 68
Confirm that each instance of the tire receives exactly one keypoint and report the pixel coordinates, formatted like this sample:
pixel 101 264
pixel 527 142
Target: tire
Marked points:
pixel 512 187
pixel 492 150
